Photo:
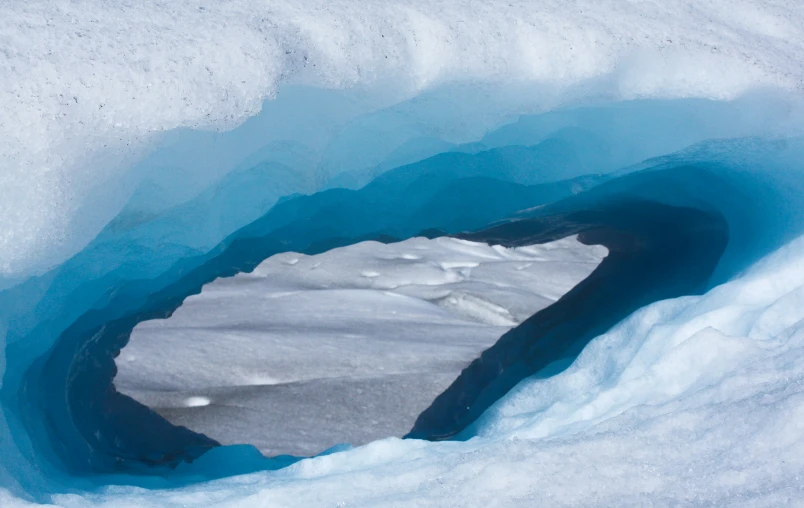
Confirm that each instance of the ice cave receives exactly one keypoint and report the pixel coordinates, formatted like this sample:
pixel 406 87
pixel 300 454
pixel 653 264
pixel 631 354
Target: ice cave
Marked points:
pixel 402 253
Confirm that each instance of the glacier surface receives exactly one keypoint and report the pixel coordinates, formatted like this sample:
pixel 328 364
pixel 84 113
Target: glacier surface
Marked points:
pixel 90 88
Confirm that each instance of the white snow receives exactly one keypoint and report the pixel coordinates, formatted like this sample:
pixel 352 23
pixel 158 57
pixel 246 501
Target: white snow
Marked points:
pixel 264 358
pixel 88 87
pixel 196 402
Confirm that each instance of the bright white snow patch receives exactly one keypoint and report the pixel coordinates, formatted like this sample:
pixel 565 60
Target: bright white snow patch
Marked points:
pixel 361 338
pixel 87 87
pixel 196 402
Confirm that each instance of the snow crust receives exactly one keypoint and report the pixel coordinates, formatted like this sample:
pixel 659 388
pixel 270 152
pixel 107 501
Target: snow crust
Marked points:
pixel 88 88
pixel 351 345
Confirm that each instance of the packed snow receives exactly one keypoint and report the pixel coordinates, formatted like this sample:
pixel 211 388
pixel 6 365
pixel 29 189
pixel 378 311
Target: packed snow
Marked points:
pixel 88 88
pixel 307 352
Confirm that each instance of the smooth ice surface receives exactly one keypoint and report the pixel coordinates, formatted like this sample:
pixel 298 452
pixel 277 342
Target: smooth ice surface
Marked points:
pixel 350 345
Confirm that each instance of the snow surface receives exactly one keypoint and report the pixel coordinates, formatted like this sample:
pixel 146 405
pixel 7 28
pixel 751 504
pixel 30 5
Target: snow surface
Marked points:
pixel 693 401
pixel 307 352
pixel 87 88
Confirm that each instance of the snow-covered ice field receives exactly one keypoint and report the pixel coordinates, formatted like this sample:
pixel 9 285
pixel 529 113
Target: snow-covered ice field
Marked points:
pixel 307 352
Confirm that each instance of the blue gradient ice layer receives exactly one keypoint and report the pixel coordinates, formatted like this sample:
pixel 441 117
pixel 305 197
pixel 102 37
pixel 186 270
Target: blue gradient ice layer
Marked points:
pixel 68 429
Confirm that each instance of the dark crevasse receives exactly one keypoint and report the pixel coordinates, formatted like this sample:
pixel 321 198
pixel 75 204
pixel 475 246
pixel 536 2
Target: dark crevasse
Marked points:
pixel 666 227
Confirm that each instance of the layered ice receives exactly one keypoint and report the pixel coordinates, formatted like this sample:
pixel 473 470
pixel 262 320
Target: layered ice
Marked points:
pixel 147 149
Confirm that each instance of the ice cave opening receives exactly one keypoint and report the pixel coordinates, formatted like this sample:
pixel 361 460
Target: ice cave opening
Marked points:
pixel 673 226
pixel 656 250
pixel 258 317
pixel 343 347
pixel 518 254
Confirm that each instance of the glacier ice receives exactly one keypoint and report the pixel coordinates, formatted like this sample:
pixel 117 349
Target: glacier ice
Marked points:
pixel 148 149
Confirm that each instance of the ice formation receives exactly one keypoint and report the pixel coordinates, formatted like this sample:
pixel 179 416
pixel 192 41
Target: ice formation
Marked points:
pixel 147 149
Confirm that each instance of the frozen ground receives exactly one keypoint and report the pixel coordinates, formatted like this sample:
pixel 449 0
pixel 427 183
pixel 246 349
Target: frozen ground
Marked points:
pixel 347 346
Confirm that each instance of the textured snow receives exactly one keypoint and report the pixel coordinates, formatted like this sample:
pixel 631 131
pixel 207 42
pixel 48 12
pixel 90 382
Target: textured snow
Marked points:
pixel 87 88
pixel 350 345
